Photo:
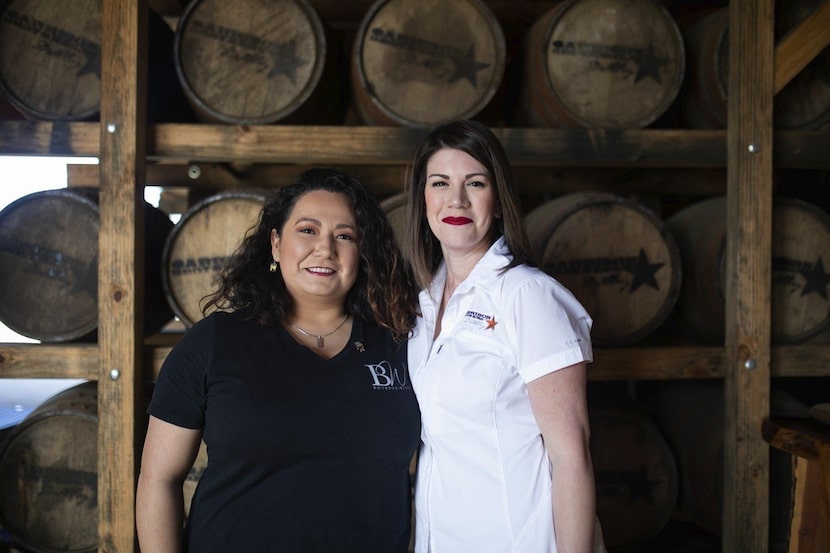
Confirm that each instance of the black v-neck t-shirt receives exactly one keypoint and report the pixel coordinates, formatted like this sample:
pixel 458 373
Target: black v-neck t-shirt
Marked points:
pixel 305 454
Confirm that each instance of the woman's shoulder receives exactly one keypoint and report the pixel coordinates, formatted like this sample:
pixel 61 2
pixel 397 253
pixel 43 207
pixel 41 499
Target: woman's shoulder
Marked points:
pixel 526 274
pixel 224 322
pixel 379 335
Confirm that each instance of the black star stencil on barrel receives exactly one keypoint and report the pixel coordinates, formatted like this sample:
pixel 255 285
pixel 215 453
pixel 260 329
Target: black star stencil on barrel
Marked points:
pixel 815 279
pixel 643 272
pixel 467 67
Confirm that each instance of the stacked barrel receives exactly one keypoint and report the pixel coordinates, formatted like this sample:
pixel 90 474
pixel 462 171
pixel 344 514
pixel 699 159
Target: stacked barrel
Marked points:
pixel 649 271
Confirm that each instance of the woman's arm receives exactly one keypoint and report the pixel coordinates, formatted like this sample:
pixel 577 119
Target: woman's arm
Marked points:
pixel 169 452
pixel 559 404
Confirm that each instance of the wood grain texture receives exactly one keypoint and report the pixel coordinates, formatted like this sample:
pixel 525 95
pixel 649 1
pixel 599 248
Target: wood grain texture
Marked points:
pixel 347 145
pixel 748 273
pixel 121 266
pixel 49 361
pixel 801 45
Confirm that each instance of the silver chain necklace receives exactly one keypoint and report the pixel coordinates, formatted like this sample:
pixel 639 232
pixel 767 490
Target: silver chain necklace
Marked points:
pixel 320 341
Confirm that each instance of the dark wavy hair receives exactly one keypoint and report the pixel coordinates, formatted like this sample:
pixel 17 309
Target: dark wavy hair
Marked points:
pixel 478 141
pixel 384 292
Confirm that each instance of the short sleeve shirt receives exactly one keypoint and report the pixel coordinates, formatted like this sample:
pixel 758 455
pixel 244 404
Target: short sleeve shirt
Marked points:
pixel 483 480
pixel 305 454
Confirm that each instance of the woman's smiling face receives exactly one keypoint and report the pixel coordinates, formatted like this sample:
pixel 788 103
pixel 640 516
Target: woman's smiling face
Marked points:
pixel 318 248
pixel 460 202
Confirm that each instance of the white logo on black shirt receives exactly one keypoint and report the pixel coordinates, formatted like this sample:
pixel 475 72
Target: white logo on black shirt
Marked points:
pixel 385 377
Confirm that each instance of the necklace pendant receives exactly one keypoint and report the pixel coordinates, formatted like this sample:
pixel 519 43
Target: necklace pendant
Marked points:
pixel 320 342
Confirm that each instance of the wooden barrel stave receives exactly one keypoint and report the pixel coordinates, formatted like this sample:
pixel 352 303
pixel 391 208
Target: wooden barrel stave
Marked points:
pixel 635 473
pixel 50 61
pixel 600 63
pixel 200 245
pixel 804 103
pixel 258 62
pixel 49 268
pixel 49 475
pixel 800 307
pixel 615 256
pixel 420 63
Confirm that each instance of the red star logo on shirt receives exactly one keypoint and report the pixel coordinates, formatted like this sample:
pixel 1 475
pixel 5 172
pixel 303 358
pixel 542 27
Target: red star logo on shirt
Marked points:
pixel 491 323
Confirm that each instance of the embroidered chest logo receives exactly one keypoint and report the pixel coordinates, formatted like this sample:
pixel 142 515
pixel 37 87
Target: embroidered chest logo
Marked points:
pixel 488 322
pixel 386 377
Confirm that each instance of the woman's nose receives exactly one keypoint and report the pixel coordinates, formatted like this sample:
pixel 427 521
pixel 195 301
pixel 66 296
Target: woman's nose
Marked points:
pixel 458 197
pixel 325 246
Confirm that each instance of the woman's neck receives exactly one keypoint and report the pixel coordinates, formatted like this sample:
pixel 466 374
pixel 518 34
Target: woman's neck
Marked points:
pixel 459 268
pixel 317 317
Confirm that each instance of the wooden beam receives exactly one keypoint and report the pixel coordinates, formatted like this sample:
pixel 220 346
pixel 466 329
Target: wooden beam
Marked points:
pixel 748 276
pixel 175 143
pixel 121 266
pixel 801 45
pixel 49 361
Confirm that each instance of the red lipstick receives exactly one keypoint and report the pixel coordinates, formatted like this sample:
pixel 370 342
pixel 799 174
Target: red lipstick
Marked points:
pixel 457 220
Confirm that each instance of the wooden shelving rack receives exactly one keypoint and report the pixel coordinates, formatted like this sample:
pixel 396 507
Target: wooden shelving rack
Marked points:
pixel 121 361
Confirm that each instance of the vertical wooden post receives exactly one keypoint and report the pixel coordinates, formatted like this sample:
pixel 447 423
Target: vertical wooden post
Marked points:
pixel 121 266
pixel 748 269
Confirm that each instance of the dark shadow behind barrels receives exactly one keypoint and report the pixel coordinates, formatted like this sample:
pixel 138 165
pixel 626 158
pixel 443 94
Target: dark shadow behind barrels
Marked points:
pixel 250 62
pixel 635 474
pixel 615 256
pixel 800 245
pixel 420 63
pixel 49 475
pixel 49 265
pixel 612 64
pixel 50 61
pixel 690 414
pixel 395 209
pixel 200 245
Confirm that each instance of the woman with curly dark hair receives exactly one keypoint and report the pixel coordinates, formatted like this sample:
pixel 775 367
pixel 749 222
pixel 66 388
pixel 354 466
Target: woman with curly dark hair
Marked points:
pixel 297 383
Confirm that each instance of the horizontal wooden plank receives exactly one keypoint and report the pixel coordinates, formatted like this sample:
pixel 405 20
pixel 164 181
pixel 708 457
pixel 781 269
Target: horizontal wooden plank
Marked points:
pixel 394 145
pixel 49 138
pixel 667 363
pixel 368 145
pixel 657 363
pixel 338 13
pixel 49 361
pixel 386 180
pixel 631 363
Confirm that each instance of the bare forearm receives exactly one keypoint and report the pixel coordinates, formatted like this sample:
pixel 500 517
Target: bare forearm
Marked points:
pixel 574 506
pixel 159 517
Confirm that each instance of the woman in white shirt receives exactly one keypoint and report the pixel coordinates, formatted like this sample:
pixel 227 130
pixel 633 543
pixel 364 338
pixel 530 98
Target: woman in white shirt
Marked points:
pixel 497 361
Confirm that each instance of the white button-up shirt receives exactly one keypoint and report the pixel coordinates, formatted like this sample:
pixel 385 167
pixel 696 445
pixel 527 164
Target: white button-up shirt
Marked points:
pixel 483 483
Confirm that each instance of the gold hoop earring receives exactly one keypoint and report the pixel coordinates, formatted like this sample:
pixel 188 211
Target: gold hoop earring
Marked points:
pixel 273 266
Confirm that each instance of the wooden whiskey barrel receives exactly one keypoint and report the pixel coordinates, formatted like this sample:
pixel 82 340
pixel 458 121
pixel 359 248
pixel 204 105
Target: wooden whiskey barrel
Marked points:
pixel 704 98
pixel 200 246
pixel 50 61
pixel 800 244
pixel 49 475
pixel 254 62
pixel 420 63
pixel 49 265
pixel 803 104
pixel 635 473
pixel 612 64
pixel 395 209
pixel 614 255
pixel 690 414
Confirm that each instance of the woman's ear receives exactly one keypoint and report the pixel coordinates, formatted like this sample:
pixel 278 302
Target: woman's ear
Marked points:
pixel 275 245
